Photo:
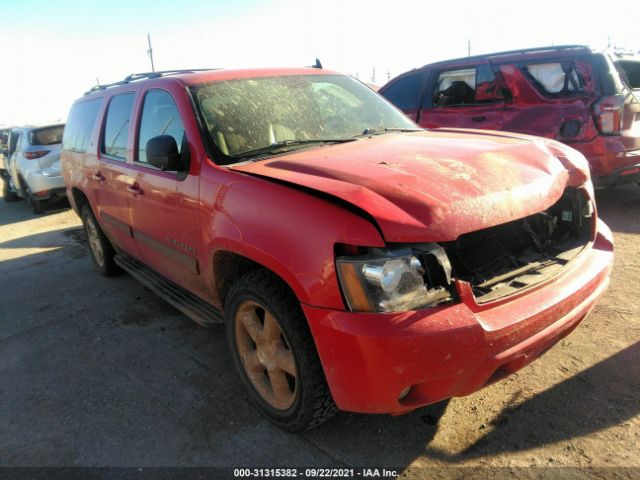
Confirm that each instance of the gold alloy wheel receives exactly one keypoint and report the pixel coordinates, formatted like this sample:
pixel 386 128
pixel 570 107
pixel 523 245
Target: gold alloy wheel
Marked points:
pixel 94 241
pixel 265 354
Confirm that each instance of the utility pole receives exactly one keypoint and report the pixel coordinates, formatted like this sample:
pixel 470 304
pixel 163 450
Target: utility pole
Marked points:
pixel 373 75
pixel 468 47
pixel 150 52
pixel 388 74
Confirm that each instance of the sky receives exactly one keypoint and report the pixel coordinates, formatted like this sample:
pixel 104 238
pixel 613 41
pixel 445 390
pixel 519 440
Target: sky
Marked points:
pixel 54 51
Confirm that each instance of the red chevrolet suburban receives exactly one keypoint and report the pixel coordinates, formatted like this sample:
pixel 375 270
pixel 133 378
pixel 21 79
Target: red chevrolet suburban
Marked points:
pixel 584 98
pixel 357 261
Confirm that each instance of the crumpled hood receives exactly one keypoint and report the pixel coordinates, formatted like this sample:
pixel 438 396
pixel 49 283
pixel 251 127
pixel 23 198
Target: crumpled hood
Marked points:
pixel 431 185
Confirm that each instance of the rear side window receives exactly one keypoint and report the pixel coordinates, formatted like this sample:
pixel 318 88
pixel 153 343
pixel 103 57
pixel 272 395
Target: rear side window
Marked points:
pixel 46 135
pixel 406 92
pixel 159 117
pixel 116 130
pixel 77 131
pixel 467 86
pixel 556 79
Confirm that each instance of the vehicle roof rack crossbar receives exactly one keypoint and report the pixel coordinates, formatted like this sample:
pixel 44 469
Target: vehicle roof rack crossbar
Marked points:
pixel 145 75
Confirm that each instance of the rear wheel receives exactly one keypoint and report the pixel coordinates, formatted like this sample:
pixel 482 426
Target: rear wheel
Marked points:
pixel 8 192
pixel 37 206
pixel 274 353
pixel 101 249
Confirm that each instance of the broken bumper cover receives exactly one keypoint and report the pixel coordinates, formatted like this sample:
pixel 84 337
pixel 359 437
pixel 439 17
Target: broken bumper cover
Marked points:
pixel 611 164
pixel 370 359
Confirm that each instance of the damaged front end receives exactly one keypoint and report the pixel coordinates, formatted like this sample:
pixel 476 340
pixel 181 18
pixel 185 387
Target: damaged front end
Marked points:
pixel 501 260
pixel 495 261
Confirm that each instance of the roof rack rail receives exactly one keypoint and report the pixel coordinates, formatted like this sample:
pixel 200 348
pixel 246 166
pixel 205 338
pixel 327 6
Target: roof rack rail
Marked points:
pixel 145 75
pixel 555 48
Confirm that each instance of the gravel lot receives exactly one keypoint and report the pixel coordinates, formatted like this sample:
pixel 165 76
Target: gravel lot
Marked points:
pixel 101 372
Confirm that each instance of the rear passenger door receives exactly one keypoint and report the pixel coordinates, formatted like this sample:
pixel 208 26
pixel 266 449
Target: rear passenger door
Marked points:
pixel 109 177
pixel 466 97
pixel 165 204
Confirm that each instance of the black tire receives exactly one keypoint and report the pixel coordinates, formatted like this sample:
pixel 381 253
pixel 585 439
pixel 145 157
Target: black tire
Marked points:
pixel 102 252
pixel 312 403
pixel 7 193
pixel 37 206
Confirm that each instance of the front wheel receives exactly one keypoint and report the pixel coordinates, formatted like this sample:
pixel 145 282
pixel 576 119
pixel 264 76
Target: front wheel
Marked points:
pixel 274 353
pixel 101 249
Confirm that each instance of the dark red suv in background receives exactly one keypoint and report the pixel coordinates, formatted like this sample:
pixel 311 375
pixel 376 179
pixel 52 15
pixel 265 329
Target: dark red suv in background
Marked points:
pixel 583 98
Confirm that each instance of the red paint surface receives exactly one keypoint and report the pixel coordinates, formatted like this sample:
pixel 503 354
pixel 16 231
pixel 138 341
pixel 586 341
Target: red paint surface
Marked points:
pixel 416 187
pixel 531 112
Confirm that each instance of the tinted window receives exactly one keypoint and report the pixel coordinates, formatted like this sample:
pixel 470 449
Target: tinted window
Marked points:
pixel 631 71
pixel 79 126
pixel 467 86
pixel 116 131
pixel 46 135
pixel 406 92
pixel 159 117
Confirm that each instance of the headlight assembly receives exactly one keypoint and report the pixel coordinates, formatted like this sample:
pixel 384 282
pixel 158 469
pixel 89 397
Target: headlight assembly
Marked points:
pixel 403 279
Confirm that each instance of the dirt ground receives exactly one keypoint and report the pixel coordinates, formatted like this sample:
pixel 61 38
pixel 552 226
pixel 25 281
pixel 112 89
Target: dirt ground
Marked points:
pixel 101 372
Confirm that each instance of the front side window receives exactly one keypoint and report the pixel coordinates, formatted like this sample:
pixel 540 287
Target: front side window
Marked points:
pixel 247 116
pixel 116 131
pixel 467 86
pixel 14 141
pixel 160 116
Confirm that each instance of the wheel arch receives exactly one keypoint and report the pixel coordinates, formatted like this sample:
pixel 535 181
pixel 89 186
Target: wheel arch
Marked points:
pixel 229 264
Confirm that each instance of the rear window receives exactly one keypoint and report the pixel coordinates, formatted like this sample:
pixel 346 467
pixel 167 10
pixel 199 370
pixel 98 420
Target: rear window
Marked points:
pixel 46 135
pixel 630 69
pixel 80 123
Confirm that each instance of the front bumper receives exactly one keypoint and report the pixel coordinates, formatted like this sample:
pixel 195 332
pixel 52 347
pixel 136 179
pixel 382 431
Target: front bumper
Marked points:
pixel 455 350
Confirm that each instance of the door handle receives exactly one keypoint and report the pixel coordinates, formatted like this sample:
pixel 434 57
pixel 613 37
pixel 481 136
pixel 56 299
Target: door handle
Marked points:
pixel 98 177
pixel 480 118
pixel 135 189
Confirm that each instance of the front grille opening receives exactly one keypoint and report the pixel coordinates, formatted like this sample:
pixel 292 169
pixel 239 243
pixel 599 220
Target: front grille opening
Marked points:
pixel 501 260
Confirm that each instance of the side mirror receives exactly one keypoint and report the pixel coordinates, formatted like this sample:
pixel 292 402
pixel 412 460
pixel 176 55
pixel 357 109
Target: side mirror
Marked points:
pixel 162 152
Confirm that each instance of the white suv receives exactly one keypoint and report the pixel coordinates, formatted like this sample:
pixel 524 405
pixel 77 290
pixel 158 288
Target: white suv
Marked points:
pixel 32 170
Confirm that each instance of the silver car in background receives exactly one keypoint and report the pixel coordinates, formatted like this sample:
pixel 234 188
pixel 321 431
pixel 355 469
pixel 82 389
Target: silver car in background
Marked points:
pixel 32 167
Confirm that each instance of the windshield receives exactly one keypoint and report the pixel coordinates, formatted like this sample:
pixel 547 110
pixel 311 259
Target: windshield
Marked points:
pixel 250 115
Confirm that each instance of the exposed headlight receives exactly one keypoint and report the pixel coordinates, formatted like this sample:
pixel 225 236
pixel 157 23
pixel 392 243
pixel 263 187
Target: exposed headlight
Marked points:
pixel 404 279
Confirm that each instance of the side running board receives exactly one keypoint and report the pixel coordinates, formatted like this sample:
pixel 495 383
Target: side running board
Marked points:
pixel 194 307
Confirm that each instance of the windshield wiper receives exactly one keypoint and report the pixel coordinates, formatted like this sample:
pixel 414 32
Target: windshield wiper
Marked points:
pixel 283 145
pixel 381 130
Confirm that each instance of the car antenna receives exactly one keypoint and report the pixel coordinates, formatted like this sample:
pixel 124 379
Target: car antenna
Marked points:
pixel 317 64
